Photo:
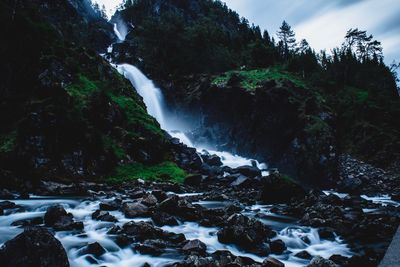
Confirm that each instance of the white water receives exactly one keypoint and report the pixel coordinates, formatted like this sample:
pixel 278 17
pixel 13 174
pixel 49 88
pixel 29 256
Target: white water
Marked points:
pixel 296 238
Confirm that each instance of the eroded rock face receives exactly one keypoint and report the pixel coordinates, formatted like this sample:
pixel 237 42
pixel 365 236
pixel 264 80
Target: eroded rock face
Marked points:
pixel 34 247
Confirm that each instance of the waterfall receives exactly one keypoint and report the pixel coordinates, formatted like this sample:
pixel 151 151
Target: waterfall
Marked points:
pixel 120 30
pixel 152 96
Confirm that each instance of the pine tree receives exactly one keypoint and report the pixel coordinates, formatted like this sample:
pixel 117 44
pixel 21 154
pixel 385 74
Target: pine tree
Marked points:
pixel 287 39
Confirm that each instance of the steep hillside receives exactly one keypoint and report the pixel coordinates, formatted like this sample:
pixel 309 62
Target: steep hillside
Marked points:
pixel 66 114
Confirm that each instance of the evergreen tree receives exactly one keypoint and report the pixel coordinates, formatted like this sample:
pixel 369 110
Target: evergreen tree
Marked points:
pixel 287 39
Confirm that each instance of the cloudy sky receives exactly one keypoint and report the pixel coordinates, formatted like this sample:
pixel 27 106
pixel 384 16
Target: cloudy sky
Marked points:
pixel 322 22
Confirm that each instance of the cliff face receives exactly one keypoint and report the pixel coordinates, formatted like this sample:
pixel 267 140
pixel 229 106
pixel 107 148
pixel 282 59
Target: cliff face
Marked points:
pixel 284 124
pixel 65 113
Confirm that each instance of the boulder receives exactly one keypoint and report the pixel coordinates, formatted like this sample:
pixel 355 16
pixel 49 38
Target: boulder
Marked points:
pixel 247 233
pixel 151 247
pixel 134 209
pixel 277 188
pixel 110 205
pixel 60 220
pixel 318 261
pixel 162 218
pixel 195 247
pixel 34 247
pixel 95 249
pixel 277 246
pixel 303 255
pixel 272 262
pixel 149 200
pixel 101 215
pixel 248 171
pixel 160 195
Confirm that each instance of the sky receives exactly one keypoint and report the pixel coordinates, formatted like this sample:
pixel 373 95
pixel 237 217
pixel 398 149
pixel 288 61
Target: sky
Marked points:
pixel 322 22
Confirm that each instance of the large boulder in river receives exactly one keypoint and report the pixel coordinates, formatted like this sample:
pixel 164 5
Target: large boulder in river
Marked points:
pixel 34 247
pixel 60 220
pixel 247 233
pixel 134 209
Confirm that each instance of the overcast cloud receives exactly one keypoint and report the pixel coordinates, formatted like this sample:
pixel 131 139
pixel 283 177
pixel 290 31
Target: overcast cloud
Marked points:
pixel 322 22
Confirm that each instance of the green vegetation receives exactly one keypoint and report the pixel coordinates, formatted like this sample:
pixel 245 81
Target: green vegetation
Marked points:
pixel 252 78
pixel 136 113
pixel 111 144
pixel 82 90
pixel 166 171
pixel 7 142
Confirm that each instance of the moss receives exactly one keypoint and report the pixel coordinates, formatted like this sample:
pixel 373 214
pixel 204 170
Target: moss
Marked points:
pixel 253 78
pixel 82 90
pixel 136 113
pixel 166 171
pixel 111 144
pixel 8 142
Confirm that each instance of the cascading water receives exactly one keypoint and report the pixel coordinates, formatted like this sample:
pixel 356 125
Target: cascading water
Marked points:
pixel 153 98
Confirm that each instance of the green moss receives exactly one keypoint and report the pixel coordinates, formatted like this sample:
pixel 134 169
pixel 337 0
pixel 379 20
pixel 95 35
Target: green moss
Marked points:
pixel 82 90
pixel 8 142
pixel 252 78
pixel 111 144
pixel 136 113
pixel 166 171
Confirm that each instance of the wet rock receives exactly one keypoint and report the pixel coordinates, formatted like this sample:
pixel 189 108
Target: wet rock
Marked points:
pixel 134 209
pixel 242 181
pixel 60 220
pixel 110 206
pixel 340 260
pixel 217 259
pixel 34 247
pixel 277 246
pixel 105 216
pixel 213 160
pixel 7 205
pixel 272 262
pixel 28 222
pixel 137 194
pixel 149 200
pixel 95 249
pixel 195 247
pixel 145 231
pixel 249 234
pixel 249 171
pixel 326 233
pixel 321 262
pixel 1 212
pixel 160 195
pixel 193 180
pixel 151 247
pixel 162 218
pixel 5 194
pixel 123 240
pixel 303 255
pixel 169 205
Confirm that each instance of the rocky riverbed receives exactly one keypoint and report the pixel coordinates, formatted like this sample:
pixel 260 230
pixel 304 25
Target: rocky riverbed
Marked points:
pixel 230 221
